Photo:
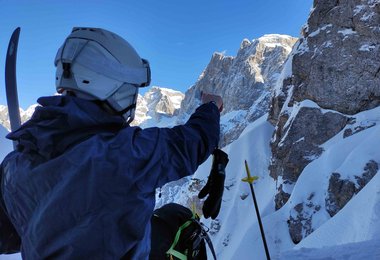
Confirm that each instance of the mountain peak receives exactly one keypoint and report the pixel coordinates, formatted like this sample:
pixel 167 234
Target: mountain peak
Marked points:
pixel 244 81
pixel 245 43
pixel 156 104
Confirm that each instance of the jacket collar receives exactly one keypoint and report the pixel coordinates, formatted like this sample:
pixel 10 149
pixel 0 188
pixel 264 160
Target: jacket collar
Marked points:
pixel 62 121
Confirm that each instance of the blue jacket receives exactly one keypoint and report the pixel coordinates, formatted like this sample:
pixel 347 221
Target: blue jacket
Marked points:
pixel 81 184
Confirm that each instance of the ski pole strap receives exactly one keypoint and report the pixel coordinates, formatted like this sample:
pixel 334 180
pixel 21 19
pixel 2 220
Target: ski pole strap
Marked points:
pixel 206 237
pixel 171 250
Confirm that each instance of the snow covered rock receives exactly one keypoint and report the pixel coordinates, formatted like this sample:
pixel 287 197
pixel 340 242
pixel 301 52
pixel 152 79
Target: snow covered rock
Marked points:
pixel 157 107
pixel 300 219
pixel 244 82
pixel 340 191
pixel 4 121
pixel 299 143
pixel 328 68
pixel 25 115
pixel 332 74
pixel 338 63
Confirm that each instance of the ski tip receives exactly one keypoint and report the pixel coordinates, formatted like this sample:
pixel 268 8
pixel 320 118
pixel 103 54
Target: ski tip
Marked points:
pixel 17 30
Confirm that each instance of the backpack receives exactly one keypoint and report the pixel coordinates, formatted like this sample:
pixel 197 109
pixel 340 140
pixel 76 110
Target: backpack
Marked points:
pixel 178 234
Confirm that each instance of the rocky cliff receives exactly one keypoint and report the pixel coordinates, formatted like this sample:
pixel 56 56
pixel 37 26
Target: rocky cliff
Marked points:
pixel 158 107
pixel 244 81
pixel 333 73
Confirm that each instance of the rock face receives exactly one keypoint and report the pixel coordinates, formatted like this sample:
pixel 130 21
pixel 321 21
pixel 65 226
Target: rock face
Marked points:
pixel 340 190
pixel 299 145
pixel 157 105
pixel 339 65
pixel 244 82
pixel 341 182
pixel 332 74
pixel 335 65
pixel 300 220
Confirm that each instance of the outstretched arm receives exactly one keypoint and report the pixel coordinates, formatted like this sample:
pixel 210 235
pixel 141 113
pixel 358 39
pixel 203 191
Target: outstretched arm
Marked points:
pixel 168 154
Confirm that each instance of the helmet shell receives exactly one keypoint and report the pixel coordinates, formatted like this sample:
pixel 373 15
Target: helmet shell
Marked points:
pixel 97 64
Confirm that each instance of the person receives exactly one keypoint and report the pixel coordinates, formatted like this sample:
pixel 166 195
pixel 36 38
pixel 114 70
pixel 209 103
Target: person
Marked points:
pixel 81 183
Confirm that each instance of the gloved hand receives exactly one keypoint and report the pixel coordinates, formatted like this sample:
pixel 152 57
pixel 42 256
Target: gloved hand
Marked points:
pixel 215 185
pixel 207 97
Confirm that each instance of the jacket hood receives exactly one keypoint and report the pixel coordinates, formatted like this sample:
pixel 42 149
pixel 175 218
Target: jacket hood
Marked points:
pixel 60 122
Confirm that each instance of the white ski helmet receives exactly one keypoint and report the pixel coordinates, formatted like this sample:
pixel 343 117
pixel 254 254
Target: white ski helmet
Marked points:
pixel 97 64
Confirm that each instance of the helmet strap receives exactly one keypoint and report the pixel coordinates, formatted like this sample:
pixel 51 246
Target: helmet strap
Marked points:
pixel 125 110
pixel 109 109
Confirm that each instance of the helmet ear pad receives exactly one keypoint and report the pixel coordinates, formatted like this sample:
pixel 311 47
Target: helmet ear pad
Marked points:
pixel 124 101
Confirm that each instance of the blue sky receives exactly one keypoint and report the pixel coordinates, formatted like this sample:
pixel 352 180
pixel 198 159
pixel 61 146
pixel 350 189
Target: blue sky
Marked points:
pixel 178 37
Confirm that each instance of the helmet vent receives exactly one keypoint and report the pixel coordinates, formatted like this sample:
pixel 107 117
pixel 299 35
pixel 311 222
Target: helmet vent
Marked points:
pixel 85 81
pixel 66 70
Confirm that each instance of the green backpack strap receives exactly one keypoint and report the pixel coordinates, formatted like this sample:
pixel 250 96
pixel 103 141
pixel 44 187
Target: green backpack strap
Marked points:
pixel 171 250
pixel 204 235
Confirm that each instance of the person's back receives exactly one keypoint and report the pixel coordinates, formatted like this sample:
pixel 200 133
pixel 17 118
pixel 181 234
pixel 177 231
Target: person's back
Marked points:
pixel 81 183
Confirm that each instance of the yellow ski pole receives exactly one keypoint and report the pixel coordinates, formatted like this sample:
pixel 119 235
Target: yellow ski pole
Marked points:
pixel 250 179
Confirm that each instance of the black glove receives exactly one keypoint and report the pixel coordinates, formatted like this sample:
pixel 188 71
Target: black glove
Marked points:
pixel 215 185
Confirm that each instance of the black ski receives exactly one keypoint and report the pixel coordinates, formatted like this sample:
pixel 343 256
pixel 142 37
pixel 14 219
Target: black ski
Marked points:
pixel 11 82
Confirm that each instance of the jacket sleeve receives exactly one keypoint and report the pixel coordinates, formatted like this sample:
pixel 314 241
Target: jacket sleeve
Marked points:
pixel 9 239
pixel 177 152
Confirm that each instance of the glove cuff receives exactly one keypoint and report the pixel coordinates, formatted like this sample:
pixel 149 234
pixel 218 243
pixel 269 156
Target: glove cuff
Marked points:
pixel 220 160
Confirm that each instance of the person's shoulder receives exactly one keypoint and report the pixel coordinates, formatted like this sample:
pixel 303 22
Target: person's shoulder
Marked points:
pixel 9 157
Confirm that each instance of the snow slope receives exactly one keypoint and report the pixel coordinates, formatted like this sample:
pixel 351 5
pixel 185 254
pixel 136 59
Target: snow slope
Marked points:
pixel 353 232
pixel 356 223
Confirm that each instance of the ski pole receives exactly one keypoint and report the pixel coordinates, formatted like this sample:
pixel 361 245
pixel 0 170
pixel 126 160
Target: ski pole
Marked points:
pixel 250 179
